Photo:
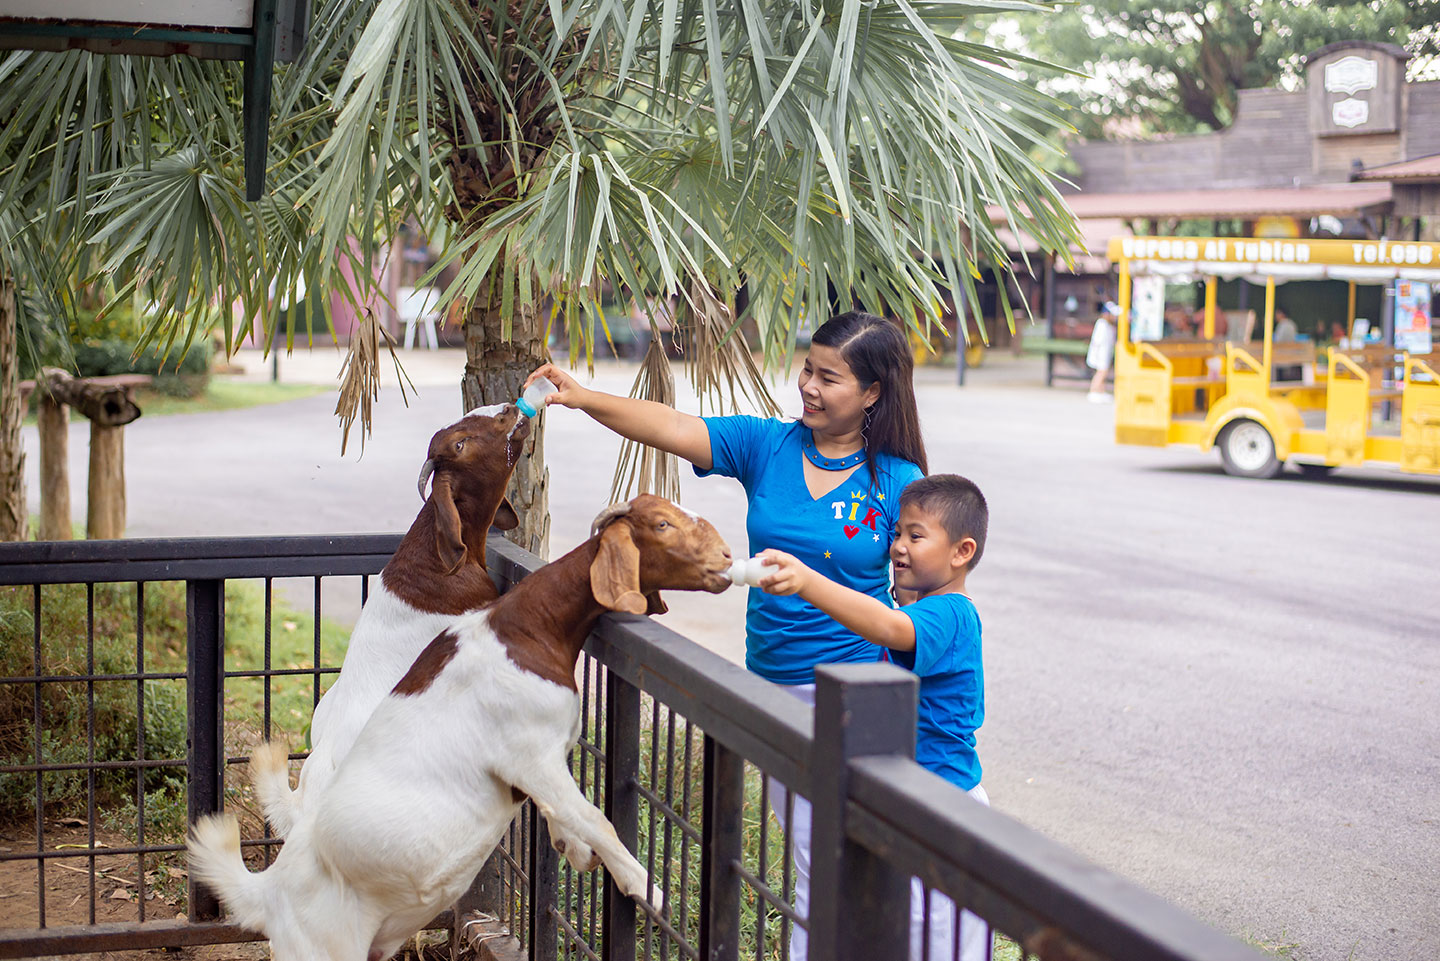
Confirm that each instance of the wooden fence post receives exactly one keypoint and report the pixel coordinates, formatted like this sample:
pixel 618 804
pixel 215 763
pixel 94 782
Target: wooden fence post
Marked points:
pixel 54 424
pixel 859 901
pixel 109 404
pixel 13 516
pixel 105 497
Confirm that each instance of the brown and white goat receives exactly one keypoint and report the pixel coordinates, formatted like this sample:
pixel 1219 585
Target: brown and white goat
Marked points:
pixel 437 573
pixel 486 716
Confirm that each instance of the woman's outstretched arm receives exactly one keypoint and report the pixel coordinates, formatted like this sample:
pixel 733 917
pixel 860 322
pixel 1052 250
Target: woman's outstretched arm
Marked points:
pixel 657 425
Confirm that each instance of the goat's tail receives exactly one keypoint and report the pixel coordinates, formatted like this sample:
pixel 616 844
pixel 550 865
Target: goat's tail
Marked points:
pixel 214 849
pixel 270 776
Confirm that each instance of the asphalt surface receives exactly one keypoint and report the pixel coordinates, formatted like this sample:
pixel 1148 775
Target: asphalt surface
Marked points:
pixel 1227 691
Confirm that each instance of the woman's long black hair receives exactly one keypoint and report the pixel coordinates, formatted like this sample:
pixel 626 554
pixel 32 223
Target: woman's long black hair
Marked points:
pixel 878 353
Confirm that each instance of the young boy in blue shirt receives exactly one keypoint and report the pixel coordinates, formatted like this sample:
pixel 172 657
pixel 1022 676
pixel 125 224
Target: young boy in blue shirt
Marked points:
pixel 940 537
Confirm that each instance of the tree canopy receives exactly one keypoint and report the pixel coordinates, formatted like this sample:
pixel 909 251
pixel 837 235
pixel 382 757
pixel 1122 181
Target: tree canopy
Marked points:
pixel 557 150
pixel 1174 66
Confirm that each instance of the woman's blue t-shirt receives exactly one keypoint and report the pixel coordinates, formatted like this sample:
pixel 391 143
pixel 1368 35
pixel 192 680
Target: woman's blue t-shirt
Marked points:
pixel 952 685
pixel 844 534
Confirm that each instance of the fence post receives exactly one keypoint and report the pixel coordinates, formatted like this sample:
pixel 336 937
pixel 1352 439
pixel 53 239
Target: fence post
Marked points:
pixel 204 668
pixel 722 837
pixel 859 902
pixel 622 806
pixel 544 889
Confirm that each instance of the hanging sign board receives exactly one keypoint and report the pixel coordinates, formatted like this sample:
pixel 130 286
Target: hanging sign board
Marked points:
pixel 1412 316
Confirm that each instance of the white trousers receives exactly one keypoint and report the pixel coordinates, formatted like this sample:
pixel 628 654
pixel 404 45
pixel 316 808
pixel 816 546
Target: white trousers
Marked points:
pixel 975 939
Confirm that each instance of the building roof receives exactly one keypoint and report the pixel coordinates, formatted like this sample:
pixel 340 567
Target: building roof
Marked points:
pixel 1340 200
pixel 1419 170
pixel 1089 254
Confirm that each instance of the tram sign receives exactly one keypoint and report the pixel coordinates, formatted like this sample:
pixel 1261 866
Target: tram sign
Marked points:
pixel 1248 250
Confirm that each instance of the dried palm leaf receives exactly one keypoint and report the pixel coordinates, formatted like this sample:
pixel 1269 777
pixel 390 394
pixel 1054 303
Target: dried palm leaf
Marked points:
pixel 360 378
pixel 719 359
pixel 642 469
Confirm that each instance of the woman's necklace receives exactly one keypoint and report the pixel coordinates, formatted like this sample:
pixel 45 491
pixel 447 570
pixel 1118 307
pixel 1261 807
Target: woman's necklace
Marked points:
pixel 812 454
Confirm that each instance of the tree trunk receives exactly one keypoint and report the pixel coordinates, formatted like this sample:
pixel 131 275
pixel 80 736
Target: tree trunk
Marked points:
pixel 54 470
pixel 494 370
pixel 13 515
pixel 105 514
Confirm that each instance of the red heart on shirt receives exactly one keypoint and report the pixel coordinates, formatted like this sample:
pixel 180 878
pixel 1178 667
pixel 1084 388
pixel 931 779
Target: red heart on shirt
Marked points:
pixel 850 532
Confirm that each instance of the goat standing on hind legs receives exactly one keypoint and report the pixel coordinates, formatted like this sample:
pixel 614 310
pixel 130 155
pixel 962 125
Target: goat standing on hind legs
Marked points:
pixel 437 573
pixel 485 716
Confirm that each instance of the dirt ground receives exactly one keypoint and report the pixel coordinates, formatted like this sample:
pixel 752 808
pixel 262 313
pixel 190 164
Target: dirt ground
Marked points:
pixel 67 892
pixel 67 895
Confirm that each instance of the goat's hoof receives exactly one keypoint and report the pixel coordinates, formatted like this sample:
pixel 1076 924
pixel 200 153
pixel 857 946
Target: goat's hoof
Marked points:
pixel 645 893
pixel 655 899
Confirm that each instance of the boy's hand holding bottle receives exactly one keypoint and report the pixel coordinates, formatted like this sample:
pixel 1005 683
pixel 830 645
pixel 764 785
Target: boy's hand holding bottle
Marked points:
pixel 786 573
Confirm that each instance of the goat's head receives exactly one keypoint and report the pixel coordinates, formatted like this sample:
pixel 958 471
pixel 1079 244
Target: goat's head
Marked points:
pixel 468 465
pixel 649 544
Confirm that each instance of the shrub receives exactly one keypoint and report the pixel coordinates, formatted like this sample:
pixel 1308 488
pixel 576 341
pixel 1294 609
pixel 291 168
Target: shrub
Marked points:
pixel 101 346
pixel 66 721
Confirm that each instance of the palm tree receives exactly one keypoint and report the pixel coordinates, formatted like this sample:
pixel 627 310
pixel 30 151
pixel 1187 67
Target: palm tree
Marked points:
pixel 560 148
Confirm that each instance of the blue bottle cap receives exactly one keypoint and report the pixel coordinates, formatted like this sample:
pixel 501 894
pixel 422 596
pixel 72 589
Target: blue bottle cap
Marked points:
pixel 525 407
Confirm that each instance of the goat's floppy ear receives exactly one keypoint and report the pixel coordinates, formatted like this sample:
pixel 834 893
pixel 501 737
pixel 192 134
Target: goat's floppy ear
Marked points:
pixel 449 538
pixel 654 603
pixel 505 517
pixel 615 572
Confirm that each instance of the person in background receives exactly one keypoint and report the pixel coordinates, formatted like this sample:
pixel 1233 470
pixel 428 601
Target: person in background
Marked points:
pixel 1101 354
pixel 943 523
pixel 1285 329
pixel 1286 333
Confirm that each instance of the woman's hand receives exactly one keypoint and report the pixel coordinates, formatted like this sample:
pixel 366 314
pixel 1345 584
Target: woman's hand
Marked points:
pixel 789 576
pixel 570 394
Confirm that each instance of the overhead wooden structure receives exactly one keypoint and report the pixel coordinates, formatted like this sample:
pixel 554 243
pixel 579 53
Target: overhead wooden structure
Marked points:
pixel 259 32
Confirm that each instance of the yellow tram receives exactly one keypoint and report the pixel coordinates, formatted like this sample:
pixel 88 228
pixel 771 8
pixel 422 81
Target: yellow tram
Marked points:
pixel 1209 392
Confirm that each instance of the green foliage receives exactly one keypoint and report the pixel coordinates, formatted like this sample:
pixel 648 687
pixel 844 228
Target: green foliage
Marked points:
pixel 557 148
pixel 65 650
pixel 65 721
pixel 1174 66
pixel 97 344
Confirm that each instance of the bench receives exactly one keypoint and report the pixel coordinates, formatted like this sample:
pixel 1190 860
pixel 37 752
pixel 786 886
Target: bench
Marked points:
pixel 1186 349
pixel 1053 347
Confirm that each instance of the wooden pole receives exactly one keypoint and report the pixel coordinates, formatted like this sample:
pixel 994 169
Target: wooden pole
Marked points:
pixel 105 507
pixel 54 424
pixel 13 515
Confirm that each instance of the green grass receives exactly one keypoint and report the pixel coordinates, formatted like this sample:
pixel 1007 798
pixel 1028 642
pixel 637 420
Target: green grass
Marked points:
pixel 224 394
pixel 67 646
pixel 220 394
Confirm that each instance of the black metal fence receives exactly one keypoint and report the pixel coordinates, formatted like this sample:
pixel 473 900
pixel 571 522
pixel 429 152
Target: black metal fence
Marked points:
pixel 695 761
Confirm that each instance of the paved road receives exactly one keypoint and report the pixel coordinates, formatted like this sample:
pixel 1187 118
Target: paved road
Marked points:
pixel 1227 691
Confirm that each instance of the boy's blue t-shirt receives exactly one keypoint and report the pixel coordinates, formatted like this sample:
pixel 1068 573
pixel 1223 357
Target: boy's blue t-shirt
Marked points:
pixel 952 685
pixel 845 534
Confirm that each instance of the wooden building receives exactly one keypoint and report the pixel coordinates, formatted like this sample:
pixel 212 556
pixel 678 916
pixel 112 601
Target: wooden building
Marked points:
pixel 1353 152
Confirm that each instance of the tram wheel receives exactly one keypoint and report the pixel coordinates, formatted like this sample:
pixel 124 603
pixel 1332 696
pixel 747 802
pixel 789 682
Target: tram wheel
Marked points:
pixel 1248 450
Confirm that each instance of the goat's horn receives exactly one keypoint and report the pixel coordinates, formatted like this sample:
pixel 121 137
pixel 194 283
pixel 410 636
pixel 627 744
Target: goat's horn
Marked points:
pixel 606 516
pixel 426 470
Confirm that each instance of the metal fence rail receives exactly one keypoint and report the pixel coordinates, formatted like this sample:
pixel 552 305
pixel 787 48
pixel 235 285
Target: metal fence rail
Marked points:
pixel 695 761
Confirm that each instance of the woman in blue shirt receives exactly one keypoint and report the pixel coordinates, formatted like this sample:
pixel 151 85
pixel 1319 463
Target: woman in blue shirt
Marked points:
pixel 825 488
